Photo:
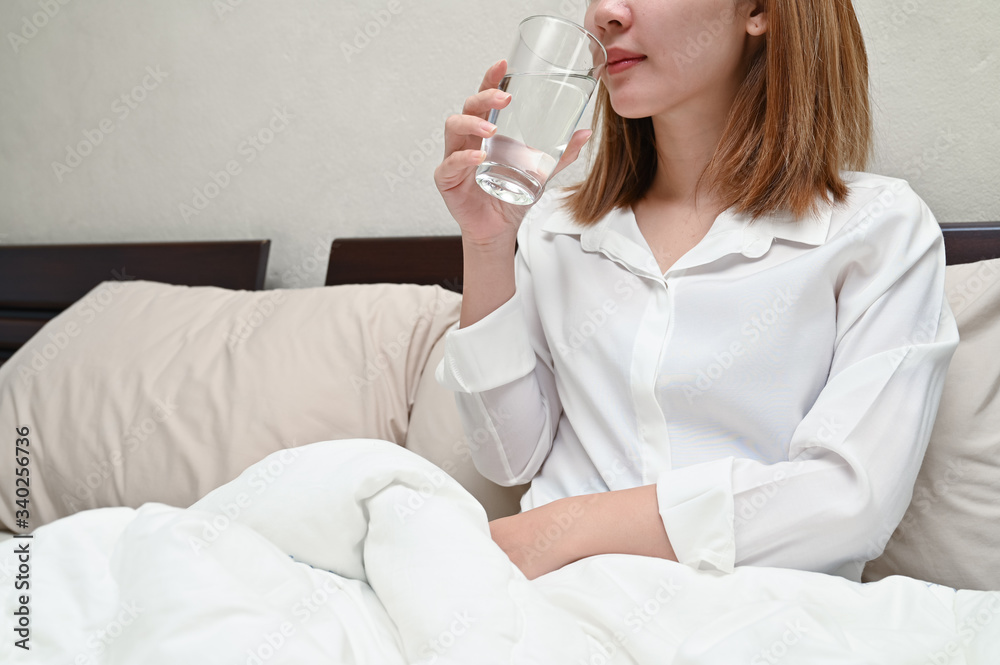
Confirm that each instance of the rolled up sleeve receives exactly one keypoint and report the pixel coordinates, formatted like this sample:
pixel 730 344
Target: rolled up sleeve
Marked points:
pixel 696 506
pixel 500 370
pixel 492 352
pixel 853 459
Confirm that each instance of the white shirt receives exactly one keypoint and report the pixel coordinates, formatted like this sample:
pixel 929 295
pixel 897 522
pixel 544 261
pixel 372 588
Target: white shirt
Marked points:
pixel 778 383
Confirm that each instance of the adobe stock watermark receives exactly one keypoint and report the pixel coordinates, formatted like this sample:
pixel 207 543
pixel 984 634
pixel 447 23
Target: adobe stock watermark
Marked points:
pixel 31 25
pixel 90 479
pixel 397 346
pixel 122 107
pixel 306 607
pixel 925 496
pixel 751 331
pixel 595 318
pixel 101 640
pixel 440 644
pixel 9 562
pixel 364 34
pixel 573 9
pixel 426 148
pixel 695 46
pixel 984 63
pixel 303 609
pixel 605 653
pixel 416 499
pixel 967 630
pixel 225 7
pixel 601 480
pixel 249 149
pixel 779 648
pixel 264 473
pixel 857 228
pixel 922 334
pixel 270 644
pixel 747 507
pixel 899 14
pixel 262 310
pixel 267 305
pixel 316 257
pixel 666 590
pixel 561 523
pixel 916 166
pixel 88 308
pixel 963 294
pixel 463 447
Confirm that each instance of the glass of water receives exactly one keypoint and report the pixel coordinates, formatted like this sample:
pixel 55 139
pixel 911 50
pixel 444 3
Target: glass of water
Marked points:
pixel 553 69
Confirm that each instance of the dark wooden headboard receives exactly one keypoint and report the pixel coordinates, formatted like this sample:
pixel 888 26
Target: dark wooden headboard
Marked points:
pixel 438 259
pixel 37 282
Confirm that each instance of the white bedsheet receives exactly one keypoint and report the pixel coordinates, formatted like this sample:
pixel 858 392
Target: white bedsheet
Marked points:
pixel 359 551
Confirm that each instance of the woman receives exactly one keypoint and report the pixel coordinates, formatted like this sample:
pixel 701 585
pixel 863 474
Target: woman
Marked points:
pixel 723 347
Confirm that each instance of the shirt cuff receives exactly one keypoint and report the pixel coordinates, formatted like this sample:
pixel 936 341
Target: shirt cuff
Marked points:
pixel 491 352
pixel 696 506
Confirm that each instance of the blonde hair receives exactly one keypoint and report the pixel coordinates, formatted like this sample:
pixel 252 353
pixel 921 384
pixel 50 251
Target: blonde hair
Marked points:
pixel 801 115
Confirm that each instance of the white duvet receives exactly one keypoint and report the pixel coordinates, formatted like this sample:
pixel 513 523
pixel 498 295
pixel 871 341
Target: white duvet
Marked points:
pixel 359 551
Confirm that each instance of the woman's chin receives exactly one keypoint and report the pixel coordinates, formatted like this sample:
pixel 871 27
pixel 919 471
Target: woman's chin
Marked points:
pixel 629 110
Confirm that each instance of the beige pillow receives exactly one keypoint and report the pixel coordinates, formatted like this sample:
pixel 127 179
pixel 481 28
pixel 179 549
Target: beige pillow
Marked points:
pixel 951 532
pixel 143 391
pixel 436 433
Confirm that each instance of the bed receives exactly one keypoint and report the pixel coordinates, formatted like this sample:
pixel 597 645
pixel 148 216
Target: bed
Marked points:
pixel 113 354
pixel 37 282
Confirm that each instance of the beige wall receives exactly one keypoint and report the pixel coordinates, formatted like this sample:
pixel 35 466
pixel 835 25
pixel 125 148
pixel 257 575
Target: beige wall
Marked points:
pixel 324 136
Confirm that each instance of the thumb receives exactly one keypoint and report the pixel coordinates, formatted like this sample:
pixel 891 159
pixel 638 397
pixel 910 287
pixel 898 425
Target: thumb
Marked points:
pixel 579 139
pixel 573 149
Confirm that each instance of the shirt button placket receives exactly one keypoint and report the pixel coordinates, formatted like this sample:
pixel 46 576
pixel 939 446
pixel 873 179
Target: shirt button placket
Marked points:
pixel 654 443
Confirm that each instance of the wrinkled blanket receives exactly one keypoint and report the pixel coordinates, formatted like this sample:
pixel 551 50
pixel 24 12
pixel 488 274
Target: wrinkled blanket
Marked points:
pixel 359 551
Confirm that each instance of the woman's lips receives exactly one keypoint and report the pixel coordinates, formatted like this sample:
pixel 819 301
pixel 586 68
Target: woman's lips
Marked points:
pixel 622 65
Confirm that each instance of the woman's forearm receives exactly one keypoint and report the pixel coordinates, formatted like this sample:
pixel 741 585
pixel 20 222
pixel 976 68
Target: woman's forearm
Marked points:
pixel 549 537
pixel 620 521
pixel 488 278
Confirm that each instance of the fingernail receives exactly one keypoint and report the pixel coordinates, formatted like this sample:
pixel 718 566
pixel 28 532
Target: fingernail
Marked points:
pixel 503 96
pixel 497 64
pixel 587 137
pixel 488 127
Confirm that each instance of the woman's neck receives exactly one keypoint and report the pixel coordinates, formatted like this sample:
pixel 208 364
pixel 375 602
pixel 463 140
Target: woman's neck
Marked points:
pixel 687 136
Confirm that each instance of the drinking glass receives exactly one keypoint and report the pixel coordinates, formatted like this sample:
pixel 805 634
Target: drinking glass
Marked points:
pixel 551 73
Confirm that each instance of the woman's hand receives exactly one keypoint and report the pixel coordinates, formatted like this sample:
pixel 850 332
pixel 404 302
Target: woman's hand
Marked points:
pixel 483 218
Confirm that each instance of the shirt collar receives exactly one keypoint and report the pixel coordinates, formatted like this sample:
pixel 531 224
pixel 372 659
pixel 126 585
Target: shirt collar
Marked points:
pixel 811 229
pixel 730 233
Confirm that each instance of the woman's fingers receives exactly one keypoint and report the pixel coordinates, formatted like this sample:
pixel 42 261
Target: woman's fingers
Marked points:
pixel 460 159
pixel 483 101
pixel 494 75
pixel 580 138
pixel 466 131
pixel 455 168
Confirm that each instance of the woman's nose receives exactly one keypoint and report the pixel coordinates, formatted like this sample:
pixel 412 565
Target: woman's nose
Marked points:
pixel 608 15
